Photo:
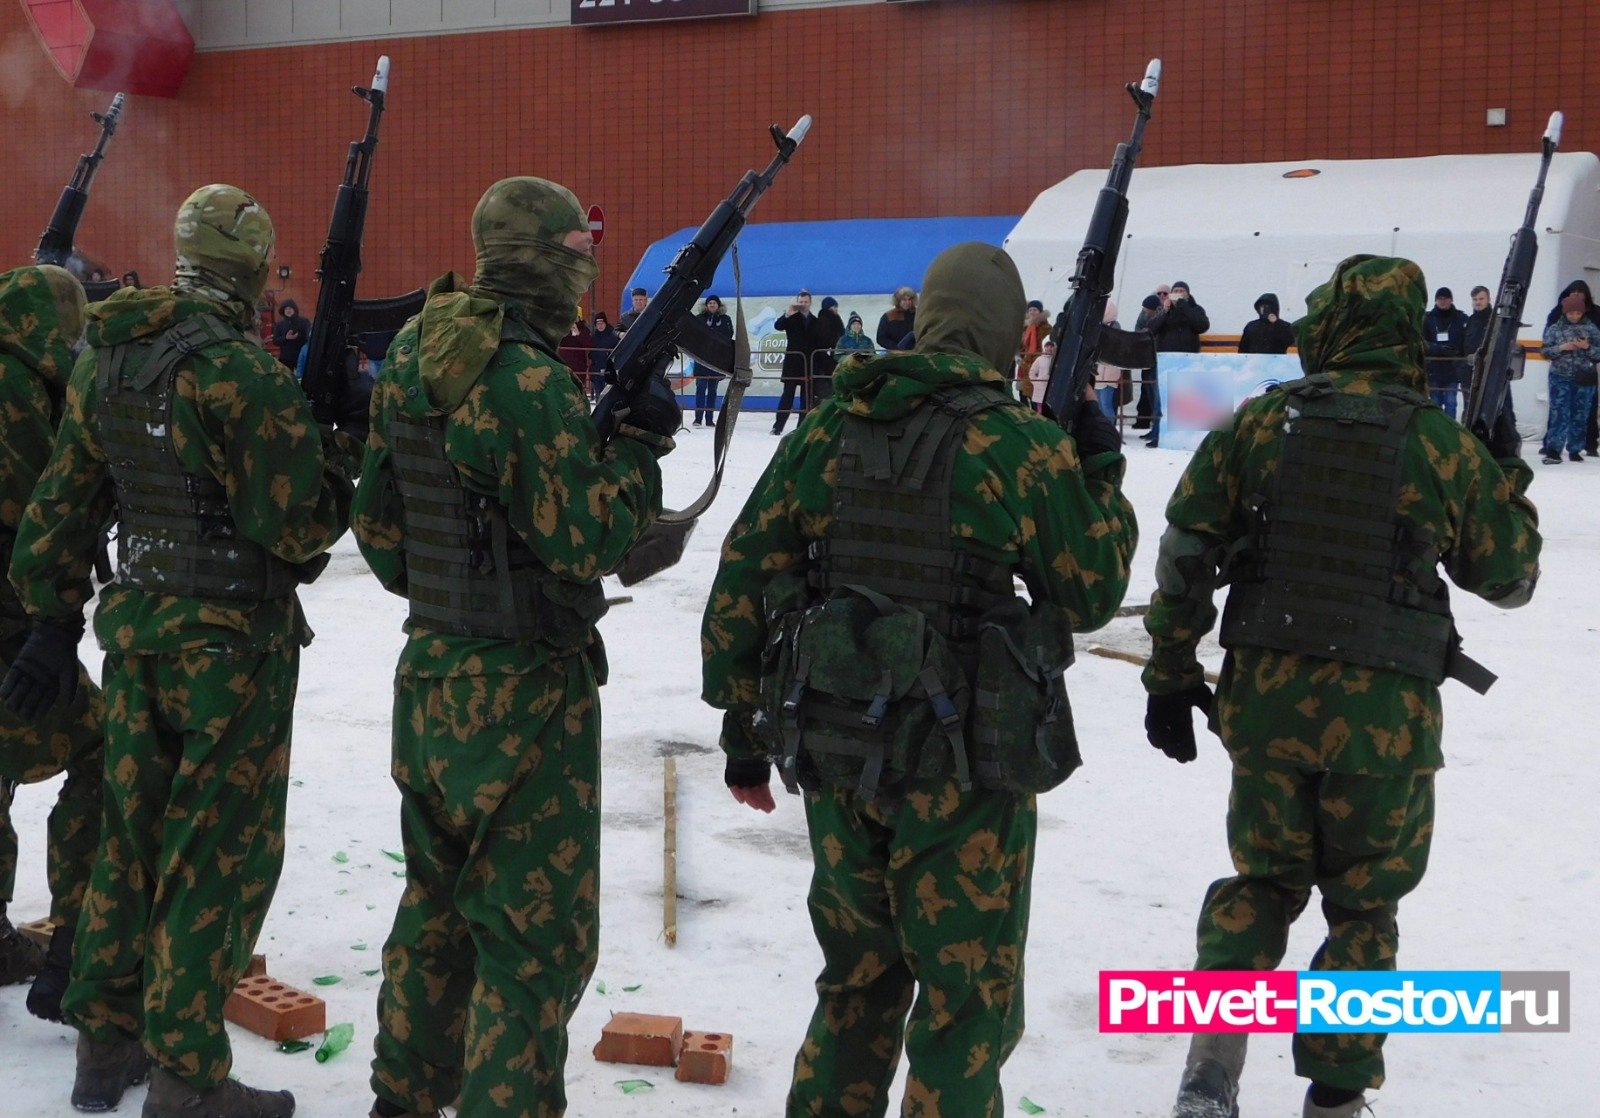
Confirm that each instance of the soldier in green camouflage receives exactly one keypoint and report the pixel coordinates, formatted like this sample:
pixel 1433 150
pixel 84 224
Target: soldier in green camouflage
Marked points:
pixel 227 495
pixel 920 894
pixel 488 500
pixel 1328 506
pixel 41 317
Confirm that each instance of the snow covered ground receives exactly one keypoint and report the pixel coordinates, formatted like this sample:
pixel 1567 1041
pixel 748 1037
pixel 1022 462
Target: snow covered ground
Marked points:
pixel 1126 850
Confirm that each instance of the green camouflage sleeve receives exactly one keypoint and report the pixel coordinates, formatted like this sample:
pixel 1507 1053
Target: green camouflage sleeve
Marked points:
pixel 764 541
pixel 1497 541
pixel 289 486
pixel 26 436
pixel 1078 538
pixel 375 516
pixel 526 435
pixel 54 553
pixel 1199 528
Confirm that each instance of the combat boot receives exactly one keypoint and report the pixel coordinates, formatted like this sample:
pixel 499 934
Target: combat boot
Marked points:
pixel 1347 1108
pixel 1210 1086
pixel 106 1068
pixel 383 1108
pixel 171 1097
pixel 20 957
pixel 44 999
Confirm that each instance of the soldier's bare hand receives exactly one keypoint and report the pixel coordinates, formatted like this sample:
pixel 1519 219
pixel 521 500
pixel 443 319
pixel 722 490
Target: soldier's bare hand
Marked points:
pixel 758 798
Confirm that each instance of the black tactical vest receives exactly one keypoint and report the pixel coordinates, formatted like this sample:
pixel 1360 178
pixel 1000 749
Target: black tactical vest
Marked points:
pixel 467 571
pixel 177 534
pixel 1329 568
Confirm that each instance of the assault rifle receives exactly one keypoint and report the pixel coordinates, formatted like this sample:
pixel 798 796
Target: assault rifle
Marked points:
pixel 1082 341
pixel 331 358
pixel 55 243
pixel 1499 359
pixel 667 326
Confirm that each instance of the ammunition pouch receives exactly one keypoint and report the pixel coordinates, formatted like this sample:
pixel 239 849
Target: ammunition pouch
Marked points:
pixel 1023 740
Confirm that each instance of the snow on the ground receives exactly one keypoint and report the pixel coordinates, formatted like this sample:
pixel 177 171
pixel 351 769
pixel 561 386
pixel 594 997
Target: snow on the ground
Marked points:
pixel 1126 850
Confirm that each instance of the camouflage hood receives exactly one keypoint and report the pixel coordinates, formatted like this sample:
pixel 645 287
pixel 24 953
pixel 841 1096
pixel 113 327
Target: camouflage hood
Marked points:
pixel 972 303
pixel 1365 323
pixel 889 387
pixel 518 230
pixel 41 316
pixel 458 334
pixel 137 312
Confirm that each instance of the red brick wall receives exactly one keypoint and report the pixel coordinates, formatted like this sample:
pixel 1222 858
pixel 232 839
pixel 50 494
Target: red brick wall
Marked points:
pixel 922 109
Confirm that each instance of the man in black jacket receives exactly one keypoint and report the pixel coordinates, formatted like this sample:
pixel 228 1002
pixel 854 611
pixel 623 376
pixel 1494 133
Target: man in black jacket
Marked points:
pixel 289 333
pixel 1444 329
pixel 705 377
pixel 799 325
pixel 1268 333
pixel 1177 327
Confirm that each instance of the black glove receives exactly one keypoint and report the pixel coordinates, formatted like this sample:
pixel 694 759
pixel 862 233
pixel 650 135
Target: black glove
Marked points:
pixel 355 400
pixel 1094 432
pixel 1503 440
pixel 1167 722
pixel 45 670
pixel 656 409
pixel 747 772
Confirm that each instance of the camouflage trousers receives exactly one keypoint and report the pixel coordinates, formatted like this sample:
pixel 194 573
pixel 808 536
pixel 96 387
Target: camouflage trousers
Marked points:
pixel 68 739
pixel 1362 841
pixel 197 768
pixel 496 936
pixel 923 909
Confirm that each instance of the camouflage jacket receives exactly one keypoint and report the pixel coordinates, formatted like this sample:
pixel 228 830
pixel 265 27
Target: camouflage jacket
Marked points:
pixel 236 414
pixel 34 362
pixel 1302 709
pixel 1019 496
pixel 519 430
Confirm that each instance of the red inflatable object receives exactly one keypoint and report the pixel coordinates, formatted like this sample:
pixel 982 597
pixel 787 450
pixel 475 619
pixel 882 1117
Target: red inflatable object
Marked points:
pixel 132 46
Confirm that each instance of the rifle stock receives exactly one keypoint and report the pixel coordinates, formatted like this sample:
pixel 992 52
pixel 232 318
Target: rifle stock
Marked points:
pixel 56 242
pixel 1079 333
pixel 667 325
pixel 1497 362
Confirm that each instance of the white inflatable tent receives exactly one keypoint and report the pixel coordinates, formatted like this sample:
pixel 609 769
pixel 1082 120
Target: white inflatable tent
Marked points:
pixel 1234 231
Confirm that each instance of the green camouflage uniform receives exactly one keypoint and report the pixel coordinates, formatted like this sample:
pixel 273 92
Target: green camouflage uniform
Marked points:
pixel 925 907
pixel 1332 763
pixel 497 741
pixel 199 692
pixel 41 315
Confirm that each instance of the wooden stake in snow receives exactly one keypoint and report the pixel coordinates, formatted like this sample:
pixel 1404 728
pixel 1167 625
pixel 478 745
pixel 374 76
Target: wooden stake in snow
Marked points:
pixel 669 854
pixel 1131 658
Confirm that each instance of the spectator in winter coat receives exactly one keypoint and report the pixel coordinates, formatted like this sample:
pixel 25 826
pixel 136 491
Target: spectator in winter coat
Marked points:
pixel 1177 328
pixel 289 333
pixel 1268 333
pixel 1038 378
pixel 602 340
pixel 799 326
pixel 1035 328
pixel 641 300
pixel 899 320
pixel 1108 378
pixel 1444 329
pixel 1149 397
pixel 574 348
pixel 855 338
pixel 1582 288
pixel 1478 320
pixel 830 328
pixel 1572 344
pixel 705 377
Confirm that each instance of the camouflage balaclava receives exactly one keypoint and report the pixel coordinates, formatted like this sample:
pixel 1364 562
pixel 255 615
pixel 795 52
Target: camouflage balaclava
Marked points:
pixel 1366 319
pixel 972 302
pixel 41 317
pixel 224 241
pixel 517 231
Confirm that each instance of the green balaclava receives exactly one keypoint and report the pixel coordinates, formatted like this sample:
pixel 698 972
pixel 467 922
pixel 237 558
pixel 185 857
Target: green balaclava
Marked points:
pixel 41 317
pixel 517 231
pixel 972 303
pixel 1366 319
pixel 224 240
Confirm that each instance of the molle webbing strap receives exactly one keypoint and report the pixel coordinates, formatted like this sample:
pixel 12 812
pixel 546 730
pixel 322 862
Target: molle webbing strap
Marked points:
pixel 1330 569
pixel 891 531
pixel 177 534
pixel 467 571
